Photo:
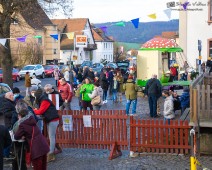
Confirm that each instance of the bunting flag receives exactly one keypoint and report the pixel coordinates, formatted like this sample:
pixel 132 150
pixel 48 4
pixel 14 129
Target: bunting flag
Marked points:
pixel 120 24
pixel 3 41
pixel 103 28
pixel 55 36
pixel 135 22
pixel 38 36
pixel 70 35
pixel 22 39
pixel 153 16
pixel 168 13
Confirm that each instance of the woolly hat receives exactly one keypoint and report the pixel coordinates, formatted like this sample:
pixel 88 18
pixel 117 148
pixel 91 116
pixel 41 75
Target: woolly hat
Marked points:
pixel 38 93
pixel 34 88
pixel 16 90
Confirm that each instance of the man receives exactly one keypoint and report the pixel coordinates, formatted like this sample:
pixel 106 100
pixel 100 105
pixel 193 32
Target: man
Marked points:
pixel 131 95
pixel 104 84
pixel 110 79
pixel 66 93
pixel 30 99
pixel 209 65
pixel 50 90
pixel 5 142
pixel 153 90
pixel 17 95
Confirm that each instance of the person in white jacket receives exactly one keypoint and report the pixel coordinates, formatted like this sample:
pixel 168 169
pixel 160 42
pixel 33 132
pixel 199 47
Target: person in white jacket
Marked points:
pixel 98 91
pixel 168 112
pixel 35 81
pixel 67 75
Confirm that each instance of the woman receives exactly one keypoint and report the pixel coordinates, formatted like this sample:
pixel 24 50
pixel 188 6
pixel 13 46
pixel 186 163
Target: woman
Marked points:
pixel 86 89
pixel 37 144
pixel 98 91
pixel 48 110
pixel 56 75
pixel 67 75
pixel 168 106
pixel 120 80
pixel 104 84
pixel 35 81
pixel 27 83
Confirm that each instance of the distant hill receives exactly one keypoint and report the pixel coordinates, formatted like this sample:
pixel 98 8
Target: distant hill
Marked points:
pixel 143 33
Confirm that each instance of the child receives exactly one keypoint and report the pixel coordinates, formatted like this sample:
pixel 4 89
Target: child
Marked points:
pixel 78 95
pixel 185 100
pixel 115 87
pixel 168 112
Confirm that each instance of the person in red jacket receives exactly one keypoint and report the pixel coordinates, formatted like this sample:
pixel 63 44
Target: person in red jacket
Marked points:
pixel 48 111
pixel 65 90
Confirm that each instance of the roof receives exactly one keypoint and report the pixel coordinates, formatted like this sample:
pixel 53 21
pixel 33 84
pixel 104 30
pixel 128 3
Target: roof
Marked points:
pixel 69 25
pixel 35 16
pixel 168 34
pixel 99 35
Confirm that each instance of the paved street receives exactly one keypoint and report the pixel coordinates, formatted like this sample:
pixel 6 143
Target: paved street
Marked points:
pixel 92 159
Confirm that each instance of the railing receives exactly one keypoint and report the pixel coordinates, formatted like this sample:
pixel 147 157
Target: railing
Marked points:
pixel 155 136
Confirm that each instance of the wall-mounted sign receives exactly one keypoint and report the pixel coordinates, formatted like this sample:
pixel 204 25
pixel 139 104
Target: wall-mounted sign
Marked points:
pixel 81 41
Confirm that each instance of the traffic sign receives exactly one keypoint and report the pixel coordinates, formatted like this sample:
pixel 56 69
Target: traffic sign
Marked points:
pixel 81 41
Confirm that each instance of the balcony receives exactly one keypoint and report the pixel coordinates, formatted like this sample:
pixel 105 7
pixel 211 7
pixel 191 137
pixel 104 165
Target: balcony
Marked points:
pixel 90 47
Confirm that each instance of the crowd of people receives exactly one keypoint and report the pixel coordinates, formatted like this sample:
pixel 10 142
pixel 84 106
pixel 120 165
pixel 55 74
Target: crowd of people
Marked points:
pixel 24 115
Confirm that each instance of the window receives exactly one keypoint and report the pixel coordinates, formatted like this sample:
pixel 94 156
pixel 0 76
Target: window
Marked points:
pixel 210 11
pixel 55 51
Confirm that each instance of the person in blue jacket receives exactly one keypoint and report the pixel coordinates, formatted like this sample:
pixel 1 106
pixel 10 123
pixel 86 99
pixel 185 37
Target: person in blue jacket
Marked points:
pixel 185 100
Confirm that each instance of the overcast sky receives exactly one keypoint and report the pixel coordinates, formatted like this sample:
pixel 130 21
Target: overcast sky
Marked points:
pixel 121 10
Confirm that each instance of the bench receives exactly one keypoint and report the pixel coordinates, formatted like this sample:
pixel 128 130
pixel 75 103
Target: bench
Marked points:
pixel 185 114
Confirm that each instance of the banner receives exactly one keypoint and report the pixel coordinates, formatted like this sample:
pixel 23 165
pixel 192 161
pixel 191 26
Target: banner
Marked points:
pixel 153 16
pixel 135 22
pixel 55 36
pixel 120 24
pixel 168 13
pixel 22 39
pixel 3 41
pixel 70 35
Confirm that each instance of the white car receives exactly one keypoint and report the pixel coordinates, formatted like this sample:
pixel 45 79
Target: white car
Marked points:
pixel 36 70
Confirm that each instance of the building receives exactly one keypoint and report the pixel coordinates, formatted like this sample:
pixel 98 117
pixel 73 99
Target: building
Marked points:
pixel 196 24
pixel 68 50
pixel 32 21
pixel 104 46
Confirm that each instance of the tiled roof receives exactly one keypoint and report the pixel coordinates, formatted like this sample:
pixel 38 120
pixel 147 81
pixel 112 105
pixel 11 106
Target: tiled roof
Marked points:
pixel 69 25
pixel 99 35
pixel 129 46
pixel 169 34
pixel 35 16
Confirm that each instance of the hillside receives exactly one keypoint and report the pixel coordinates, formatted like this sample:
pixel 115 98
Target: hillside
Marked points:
pixel 143 33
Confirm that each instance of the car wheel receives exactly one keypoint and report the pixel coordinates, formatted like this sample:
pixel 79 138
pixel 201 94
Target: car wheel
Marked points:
pixel 17 79
pixel 43 76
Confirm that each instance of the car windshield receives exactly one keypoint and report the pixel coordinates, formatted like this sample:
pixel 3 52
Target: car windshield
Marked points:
pixel 47 67
pixel 1 72
pixel 28 67
pixel 122 64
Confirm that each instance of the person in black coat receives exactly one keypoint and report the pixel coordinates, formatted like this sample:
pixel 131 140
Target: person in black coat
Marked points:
pixel 5 142
pixel 104 84
pixel 209 65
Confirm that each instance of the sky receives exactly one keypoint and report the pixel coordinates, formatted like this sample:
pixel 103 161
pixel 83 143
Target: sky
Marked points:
pixel 99 11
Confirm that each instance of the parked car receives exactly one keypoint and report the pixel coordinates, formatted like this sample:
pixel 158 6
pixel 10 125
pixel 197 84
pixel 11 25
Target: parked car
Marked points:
pixel 97 67
pixel 86 63
pixel 111 65
pixel 36 70
pixel 49 70
pixel 15 75
pixel 4 88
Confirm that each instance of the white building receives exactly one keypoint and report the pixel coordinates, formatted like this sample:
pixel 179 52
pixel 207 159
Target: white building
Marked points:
pixel 104 46
pixel 80 26
pixel 196 24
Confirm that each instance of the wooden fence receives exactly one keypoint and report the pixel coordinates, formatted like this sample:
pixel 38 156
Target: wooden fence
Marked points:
pixel 108 127
pixel 158 137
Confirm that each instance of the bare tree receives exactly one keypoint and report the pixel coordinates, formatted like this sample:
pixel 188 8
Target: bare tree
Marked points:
pixel 7 10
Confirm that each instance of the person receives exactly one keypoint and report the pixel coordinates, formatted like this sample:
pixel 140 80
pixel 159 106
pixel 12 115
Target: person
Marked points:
pixel 78 95
pixel 35 81
pixel 203 67
pixel 67 75
pixel 86 89
pixel 104 84
pixel 65 90
pixel 5 142
pixel 153 90
pixel 56 75
pixel 168 112
pixel 115 87
pixel 48 89
pixel 17 95
pixel 71 77
pixel 209 65
pixel 185 100
pixel 38 146
pixel 27 83
pixel 120 80
pixel 176 100
pixel 110 80
pixel 30 99
pixel 98 91
pixel 173 72
pixel 79 77
pixel 185 74
pixel 48 110
pixel 131 94
pixel 91 74
pixel 85 72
